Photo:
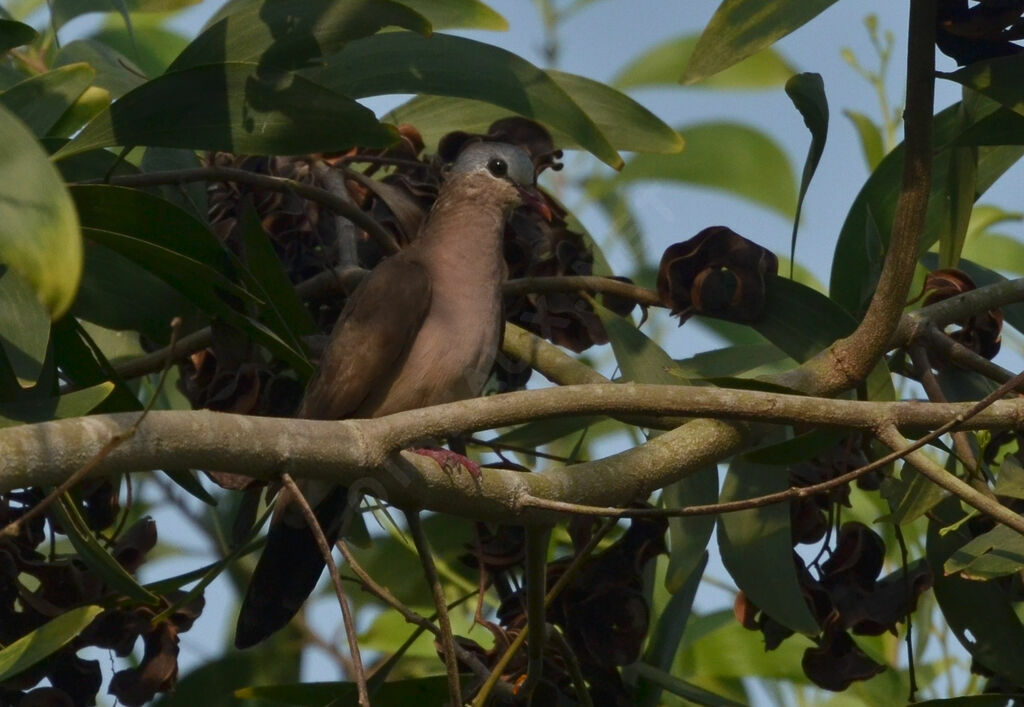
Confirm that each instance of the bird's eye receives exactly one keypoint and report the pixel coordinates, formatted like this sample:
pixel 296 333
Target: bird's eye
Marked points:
pixel 497 166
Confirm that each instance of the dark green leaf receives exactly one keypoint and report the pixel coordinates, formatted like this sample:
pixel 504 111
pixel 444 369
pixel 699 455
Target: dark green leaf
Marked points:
pixel 15 34
pixel 740 28
pixel 468 14
pixel 852 271
pixel 981 614
pixel 1004 127
pixel 682 688
pixel 998 78
pixel 84 365
pixel 870 136
pixel 797 449
pixel 95 556
pixel 689 535
pixel 41 100
pixel 757 546
pixel 289 35
pixel 668 633
pixel 91 103
pixel 114 72
pixel 227 107
pixel 640 359
pixel 44 641
pixel 807 91
pixel 910 496
pixel 189 481
pixel 733 361
pixel 1010 481
pixel 75 404
pixel 431 690
pixel 991 700
pixel 149 43
pixel 963 177
pixel 36 202
pixel 663 65
pixel 190 197
pixel 444 65
pixel 24 327
pixel 724 156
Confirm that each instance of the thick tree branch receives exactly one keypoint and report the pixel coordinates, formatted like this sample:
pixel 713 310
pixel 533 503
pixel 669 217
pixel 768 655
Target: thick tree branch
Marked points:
pixel 362 451
pixel 848 361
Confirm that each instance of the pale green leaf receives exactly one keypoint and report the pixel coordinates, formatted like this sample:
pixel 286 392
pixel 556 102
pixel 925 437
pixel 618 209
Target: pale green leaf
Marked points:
pixel 45 640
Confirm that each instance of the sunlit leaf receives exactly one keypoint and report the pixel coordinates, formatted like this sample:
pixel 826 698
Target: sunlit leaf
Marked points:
pixel 114 72
pixel 445 65
pixel 997 553
pixel 45 640
pixel 663 65
pixel 74 404
pixel 626 124
pixel 92 101
pixel 727 157
pixel 39 234
pixel 740 28
pixel 41 100
pixel 468 14
pixel 226 107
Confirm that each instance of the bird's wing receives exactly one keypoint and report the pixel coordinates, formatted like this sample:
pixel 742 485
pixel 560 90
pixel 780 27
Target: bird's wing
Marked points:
pixel 374 333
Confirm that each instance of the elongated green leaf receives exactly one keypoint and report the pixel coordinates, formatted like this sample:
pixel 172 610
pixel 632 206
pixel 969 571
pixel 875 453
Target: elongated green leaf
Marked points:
pixel 687 690
pixel 981 614
pixel 15 34
pixel 444 65
pixel 24 327
pixel 910 496
pixel 45 640
pixel 727 157
pixel 663 65
pixel 432 690
pixel 291 34
pixel 733 361
pixel 870 136
pixel 63 11
pixel 962 179
pixel 75 404
pixel 469 14
pixel 626 124
pixel 757 546
pixel 227 107
pixel 997 553
pixel 39 234
pixel 114 71
pixel 96 557
pixel 149 42
pixel 91 103
pixel 999 79
pixel 740 28
pixel 853 276
pixel 41 100
pixel 1004 127
pixel 807 91
pixel 717 645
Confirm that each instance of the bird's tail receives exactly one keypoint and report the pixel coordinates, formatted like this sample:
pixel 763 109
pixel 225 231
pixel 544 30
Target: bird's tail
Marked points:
pixel 288 570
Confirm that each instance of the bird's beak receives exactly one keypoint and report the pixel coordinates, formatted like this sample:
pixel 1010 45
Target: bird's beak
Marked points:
pixel 535 201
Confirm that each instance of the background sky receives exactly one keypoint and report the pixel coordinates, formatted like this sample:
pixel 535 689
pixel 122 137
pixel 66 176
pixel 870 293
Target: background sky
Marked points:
pixel 598 42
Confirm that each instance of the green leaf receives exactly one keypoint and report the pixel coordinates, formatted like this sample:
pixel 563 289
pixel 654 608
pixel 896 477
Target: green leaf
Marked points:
pixel 663 65
pixel 757 546
pixel 989 700
pixel 981 614
pixel 227 107
pixel 998 78
pixel 467 14
pixel 24 327
pixel 150 44
pixel 682 688
pixel 63 11
pixel 35 202
pixel 963 177
pixel 444 65
pixel 432 690
pixel 626 123
pixel 44 641
pixel 1010 481
pixel 997 553
pixel 190 197
pixel 689 535
pixel 289 35
pixel 75 404
pixel 91 103
pixel 733 361
pixel 853 275
pixel 1003 127
pixel 95 556
pixel 727 157
pixel 807 91
pixel 870 136
pixel 15 34
pixel 41 100
pixel 716 645
pixel 114 71
pixel 741 28
pixel 910 495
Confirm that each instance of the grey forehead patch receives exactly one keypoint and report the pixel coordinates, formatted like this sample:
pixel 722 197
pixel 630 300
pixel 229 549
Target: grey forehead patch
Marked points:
pixel 477 155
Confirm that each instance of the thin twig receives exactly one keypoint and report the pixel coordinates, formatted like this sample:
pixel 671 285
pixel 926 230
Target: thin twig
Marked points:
pixel 339 589
pixel 419 537
pixel 537 540
pixel 343 206
pixel 572 665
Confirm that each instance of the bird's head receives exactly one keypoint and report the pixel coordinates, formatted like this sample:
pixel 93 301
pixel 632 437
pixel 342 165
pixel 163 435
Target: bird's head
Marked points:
pixel 505 171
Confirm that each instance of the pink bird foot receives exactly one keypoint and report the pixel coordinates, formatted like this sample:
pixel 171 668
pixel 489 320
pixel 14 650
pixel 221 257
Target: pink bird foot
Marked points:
pixel 450 461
